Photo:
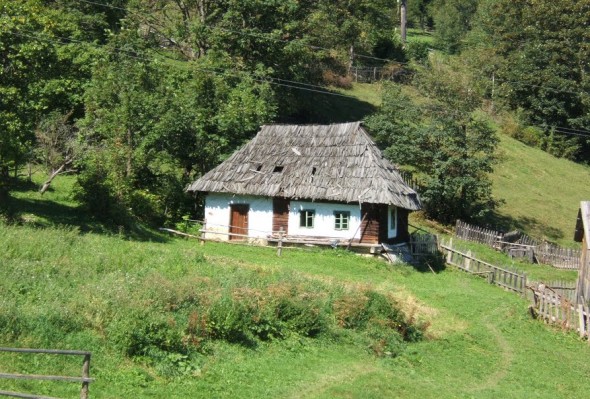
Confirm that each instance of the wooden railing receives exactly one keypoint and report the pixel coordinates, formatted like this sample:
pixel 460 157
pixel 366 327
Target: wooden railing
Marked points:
pixel 511 280
pixel 528 247
pixel 556 310
pixel 85 379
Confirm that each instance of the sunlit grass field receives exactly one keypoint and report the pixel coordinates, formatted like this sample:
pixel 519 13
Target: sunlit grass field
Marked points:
pixel 71 285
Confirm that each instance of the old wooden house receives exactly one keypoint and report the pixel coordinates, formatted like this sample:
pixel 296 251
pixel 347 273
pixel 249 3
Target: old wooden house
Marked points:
pixel 582 235
pixel 311 182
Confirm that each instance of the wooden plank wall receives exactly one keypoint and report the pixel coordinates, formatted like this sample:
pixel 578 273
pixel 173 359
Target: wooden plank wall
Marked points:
pixel 370 227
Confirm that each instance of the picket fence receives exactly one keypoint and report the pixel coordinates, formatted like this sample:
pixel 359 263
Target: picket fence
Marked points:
pixel 511 280
pixel 554 309
pixel 525 246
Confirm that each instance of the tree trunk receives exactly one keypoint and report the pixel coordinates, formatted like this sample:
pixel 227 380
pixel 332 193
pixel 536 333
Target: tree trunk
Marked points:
pixel 351 58
pixel 403 17
pixel 56 172
pixel 129 153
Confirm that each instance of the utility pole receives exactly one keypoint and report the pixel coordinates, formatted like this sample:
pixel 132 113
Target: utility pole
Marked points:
pixel 403 17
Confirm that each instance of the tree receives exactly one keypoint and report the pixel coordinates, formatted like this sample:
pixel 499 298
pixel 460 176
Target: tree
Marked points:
pixel 46 54
pixel 452 21
pixel 450 149
pixel 539 51
pixel 57 145
pixel 153 123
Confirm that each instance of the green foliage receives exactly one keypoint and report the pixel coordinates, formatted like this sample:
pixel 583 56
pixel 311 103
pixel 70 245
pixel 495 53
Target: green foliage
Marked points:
pixel 536 51
pixel 451 148
pixel 452 21
pixel 41 72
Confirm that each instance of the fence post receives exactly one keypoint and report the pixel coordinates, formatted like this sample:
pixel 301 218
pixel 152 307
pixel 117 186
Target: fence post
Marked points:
pixel 280 243
pixel 468 260
pixel 85 374
pixel 450 251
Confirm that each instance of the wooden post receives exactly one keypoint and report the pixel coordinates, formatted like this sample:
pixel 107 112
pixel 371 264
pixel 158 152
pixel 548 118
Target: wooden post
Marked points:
pixel 403 20
pixel 467 263
pixel 280 243
pixel 449 253
pixel 85 374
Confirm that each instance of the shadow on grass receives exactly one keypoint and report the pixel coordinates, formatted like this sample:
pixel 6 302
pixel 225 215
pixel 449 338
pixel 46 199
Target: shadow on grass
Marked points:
pixel 434 263
pixel 45 213
pixel 331 108
pixel 528 225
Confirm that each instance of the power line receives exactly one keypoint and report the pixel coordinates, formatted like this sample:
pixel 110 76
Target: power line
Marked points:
pixel 259 35
pixel 520 83
pixel 218 71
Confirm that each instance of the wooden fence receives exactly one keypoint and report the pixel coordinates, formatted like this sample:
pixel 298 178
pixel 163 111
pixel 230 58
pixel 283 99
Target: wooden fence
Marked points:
pixel 85 379
pixel 511 280
pixel 525 246
pixel 554 309
pixel 556 256
pixel 422 244
pixel 565 289
pixel 491 238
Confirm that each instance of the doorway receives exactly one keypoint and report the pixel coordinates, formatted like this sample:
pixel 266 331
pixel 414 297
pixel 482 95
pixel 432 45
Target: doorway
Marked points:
pixel 238 221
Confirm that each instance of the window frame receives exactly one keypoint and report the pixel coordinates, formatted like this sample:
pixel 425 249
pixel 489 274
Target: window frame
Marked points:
pixel 341 218
pixel 305 216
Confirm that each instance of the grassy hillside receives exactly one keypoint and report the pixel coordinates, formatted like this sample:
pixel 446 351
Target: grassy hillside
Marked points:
pixel 542 193
pixel 63 289
pixel 135 303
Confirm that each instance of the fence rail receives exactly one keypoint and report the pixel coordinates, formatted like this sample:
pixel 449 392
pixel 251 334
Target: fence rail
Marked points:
pixel 524 246
pixel 511 280
pixel 556 310
pixel 423 244
pixel 84 379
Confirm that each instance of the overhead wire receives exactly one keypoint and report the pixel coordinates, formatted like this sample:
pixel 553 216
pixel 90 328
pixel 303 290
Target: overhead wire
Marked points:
pixel 218 71
pixel 259 35
pixel 289 83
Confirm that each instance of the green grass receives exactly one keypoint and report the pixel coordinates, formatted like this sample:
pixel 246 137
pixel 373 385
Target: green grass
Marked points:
pixel 420 36
pixel 542 193
pixel 481 342
pixel 63 288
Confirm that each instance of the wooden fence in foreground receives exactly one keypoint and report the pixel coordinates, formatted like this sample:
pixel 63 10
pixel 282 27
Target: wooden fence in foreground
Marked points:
pixel 85 379
pixel 552 305
pixel 511 280
pixel 543 252
pixel 554 309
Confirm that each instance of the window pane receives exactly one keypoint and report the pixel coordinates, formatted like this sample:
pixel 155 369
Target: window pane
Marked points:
pixel 306 218
pixel 341 220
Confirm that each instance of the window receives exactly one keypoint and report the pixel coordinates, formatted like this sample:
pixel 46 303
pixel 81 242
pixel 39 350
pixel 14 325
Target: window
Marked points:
pixel 341 220
pixel 306 217
pixel 392 218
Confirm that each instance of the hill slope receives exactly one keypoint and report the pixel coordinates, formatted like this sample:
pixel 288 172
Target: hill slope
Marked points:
pixel 542 193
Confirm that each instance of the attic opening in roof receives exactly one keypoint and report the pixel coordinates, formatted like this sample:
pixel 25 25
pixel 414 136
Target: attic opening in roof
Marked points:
pixel 310 182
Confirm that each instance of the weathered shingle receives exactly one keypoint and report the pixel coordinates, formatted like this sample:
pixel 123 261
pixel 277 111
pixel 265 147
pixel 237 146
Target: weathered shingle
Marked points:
pixel 337 162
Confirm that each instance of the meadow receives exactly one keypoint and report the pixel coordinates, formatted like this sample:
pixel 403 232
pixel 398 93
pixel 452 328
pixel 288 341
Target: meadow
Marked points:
pixel 164 318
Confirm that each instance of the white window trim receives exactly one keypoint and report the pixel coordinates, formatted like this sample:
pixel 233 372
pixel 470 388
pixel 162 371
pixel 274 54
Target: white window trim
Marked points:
pixel 347 217
pixel 392 222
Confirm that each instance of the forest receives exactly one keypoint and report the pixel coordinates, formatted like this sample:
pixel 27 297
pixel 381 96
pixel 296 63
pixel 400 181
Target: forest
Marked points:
pixel 137 98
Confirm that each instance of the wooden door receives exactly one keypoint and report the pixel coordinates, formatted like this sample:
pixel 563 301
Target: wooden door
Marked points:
pixel 238 221
pixel 280 215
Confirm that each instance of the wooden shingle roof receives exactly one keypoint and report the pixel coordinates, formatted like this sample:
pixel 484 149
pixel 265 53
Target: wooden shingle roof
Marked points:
pixel 337 162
